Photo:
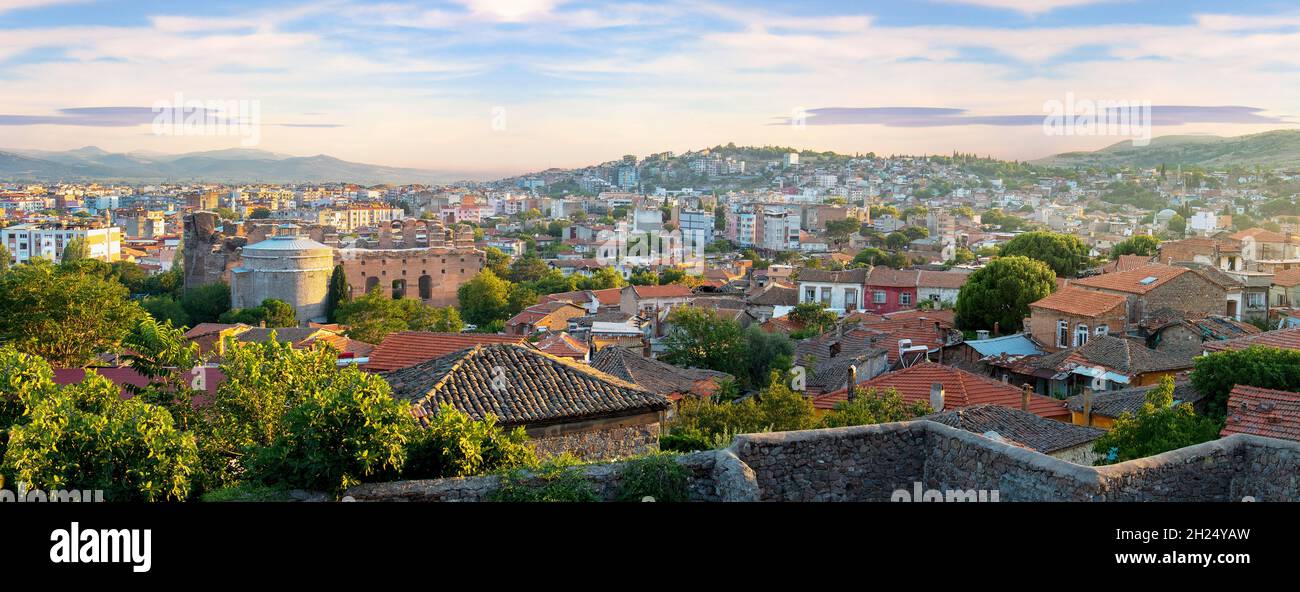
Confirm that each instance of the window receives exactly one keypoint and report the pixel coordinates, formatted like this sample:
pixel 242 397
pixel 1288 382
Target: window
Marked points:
pixel 905 298
pixel 1103 330
pixel 810 295
pixel 1080 335
pixel 826 296
pixel 1062 333
pixel 878 297
pixel 1255 300
pixel 850 299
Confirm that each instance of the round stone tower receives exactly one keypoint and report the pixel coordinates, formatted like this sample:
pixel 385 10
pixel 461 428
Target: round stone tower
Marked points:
pixel 286 267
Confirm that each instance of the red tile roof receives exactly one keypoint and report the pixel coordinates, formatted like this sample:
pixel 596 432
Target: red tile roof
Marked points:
pixel 1263 412
pixel 564 345
pixel 942 279
pixel 1281 338
pixel 1080 302
pixel 1260 235
pixel 668 291
pixel 1131 281
pixel 1287 277
pixel 126 375
pixel 408 348
pixel 961 389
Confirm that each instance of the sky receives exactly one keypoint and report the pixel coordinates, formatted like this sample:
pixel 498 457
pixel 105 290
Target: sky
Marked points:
pixel 497 87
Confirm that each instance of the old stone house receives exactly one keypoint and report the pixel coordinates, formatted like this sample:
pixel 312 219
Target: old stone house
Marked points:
pixel 1071 316
pixel 1158 286
pixel 565 406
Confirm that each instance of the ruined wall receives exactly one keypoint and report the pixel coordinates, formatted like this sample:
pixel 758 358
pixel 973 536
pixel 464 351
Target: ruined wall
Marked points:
pixel 209 254
pixel 431 274
pixel 870 463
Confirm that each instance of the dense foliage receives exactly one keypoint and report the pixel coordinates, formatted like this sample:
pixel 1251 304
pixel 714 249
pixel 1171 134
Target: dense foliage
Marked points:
pixel 658 477
pixel 872 406
pixel 1000 292
pixel 1160 426
pixel 65 314
pixel 1142 244
pixel 1064 253
pixel 1263 367
pixel 372 317
pixel 699 338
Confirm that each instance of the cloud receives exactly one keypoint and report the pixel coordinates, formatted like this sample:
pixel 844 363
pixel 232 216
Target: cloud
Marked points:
pixel 11 5
pixel 1161 115
pixel 1029 7
pixel 133 116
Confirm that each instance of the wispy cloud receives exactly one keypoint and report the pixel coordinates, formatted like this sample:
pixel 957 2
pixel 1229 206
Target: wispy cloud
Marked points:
pixel 1161 115
pixel 1030 7
pixel 11 5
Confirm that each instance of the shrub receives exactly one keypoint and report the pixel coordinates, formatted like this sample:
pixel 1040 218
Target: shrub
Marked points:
pixel 555 481
pixel 454 445
pixel 658 476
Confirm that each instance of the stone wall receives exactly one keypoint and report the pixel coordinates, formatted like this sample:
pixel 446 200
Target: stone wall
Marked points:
pixel 614 442
pixel 713 476
pixel 209 254
pixel 431 274
pixel 870 463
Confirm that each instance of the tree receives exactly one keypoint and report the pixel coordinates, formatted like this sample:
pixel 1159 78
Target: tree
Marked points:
pixel 347 429
pixel 160 353
pixel 1159 426
pixel 839 230
pixel 166 309
pixel 206 303
pixel 483 299
pixel 260 214
pixel 698 338
pixel 1001 291
pixel 814 316
pixel 1141 244
pixel 339 293
pixel 1264 367
pixel 498 261
pixel 1064 253
pixel 5 259
pixel 63 315
pixel 528 268
pixel 872 406
pixel 645 278
pixel 765 353
pixel 896 240
pixel 84 436
pixel 74 251
pixel 1177 225
pixel 603 279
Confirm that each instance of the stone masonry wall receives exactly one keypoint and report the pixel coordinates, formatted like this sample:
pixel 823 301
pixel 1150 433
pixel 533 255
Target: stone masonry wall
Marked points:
pixel 869 463
pixel 607 443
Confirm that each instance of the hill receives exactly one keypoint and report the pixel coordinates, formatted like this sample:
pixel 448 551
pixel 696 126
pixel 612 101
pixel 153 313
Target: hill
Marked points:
pixel 1275 149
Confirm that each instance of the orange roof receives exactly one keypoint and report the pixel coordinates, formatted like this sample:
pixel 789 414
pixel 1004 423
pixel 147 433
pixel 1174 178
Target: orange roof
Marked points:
pixel 942 279
pixel 1287 277
pixel 1281 338
pixel 408 348
pixel 1260 235
pixel 668 291
pixel 1263 412
pixel 1134 281
pixel 961 389
pixel 563 345
pixel 1080 302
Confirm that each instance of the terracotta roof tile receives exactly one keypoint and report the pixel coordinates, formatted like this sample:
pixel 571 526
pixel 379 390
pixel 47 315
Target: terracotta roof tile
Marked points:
pixel 408 348
pixel 1280 338
pixel 951 280
pixel 535 388
pixel 961 389
pixel 887 277
pixel 1134 281
pixel 1263 412
pixel 1080 302
pixel 1029 430
pixel 668 291
pixel 1287 277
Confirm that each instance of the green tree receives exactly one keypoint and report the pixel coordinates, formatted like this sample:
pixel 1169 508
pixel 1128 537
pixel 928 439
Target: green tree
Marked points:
pixel 279 313
pixel 453 445
pixel 63 315
pixel 260 214
pixel 814 316
pixel 528 268
pixel 84 436
pixel 160 353
pixel 339 293
pixel 765 354
pixel 483 299
pixel 1001 291
pixel 1159 426
pixel 603 279
pixel 1064 253
pixel 1141 244
pixel 75 250
pixel 872 406
pixel 1177 225
pixel 206 303
pixel 498 261
pixel 1264 367
pixel 372 317
pixel 348 429
pixel 166 308
pixel 698 338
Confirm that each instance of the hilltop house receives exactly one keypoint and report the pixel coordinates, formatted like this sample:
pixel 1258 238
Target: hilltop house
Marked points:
pixel 839 291
pixel 1158 286
pixel 1070 316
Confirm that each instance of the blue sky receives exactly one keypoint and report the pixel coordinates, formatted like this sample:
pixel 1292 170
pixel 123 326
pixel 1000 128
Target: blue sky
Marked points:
pixel 489 87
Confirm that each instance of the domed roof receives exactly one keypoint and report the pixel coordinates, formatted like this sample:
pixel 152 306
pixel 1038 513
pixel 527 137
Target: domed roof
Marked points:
pixel 286 242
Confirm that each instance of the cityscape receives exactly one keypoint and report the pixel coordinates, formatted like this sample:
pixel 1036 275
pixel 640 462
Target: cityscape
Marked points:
pixel 545 251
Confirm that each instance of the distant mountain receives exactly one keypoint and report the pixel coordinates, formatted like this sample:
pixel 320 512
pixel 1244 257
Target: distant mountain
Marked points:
pixel 237 165
pixel 1279 148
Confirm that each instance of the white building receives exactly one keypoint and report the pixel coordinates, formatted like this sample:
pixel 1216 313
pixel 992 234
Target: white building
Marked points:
pixel 26 241
pixel 840 291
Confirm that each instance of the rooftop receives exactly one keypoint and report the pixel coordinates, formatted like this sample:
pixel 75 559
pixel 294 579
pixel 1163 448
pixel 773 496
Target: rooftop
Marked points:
pixel 1280 338
pixel 961 389
pixel 1134 281
pixel 1080 302
pixel 408 348
pixel 1016 426
pixel 1263 412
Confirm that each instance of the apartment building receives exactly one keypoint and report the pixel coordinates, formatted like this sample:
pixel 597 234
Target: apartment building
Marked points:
pixel 25 241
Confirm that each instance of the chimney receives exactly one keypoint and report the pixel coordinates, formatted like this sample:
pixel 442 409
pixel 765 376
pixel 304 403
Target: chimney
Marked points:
pixel 853 380
pixel 1025 391
pixel 936 397
pixel 1087 406
pixel 646 351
